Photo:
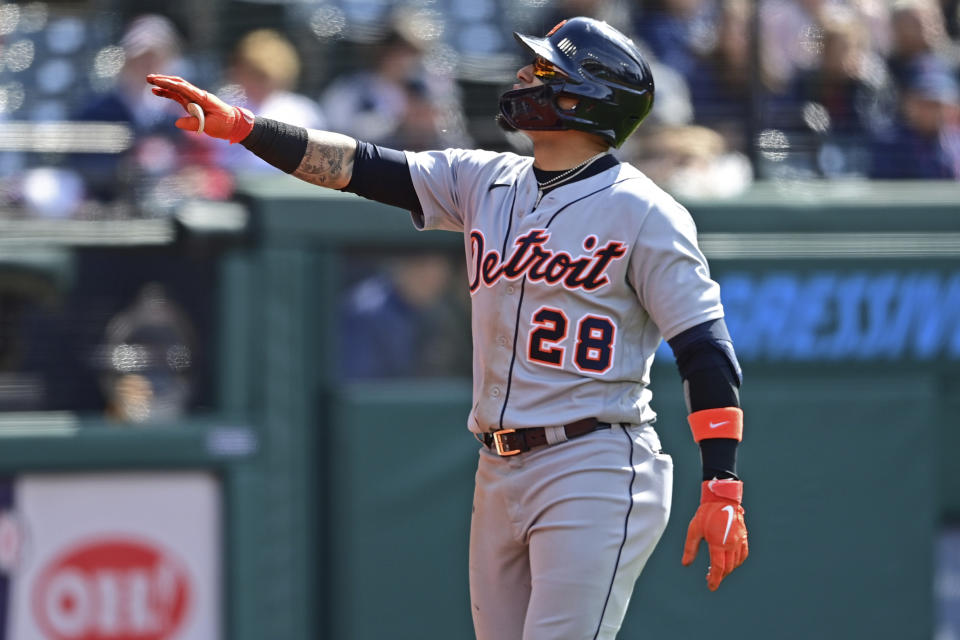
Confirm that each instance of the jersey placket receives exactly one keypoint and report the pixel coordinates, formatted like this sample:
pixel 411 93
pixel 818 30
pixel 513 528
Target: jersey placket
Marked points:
pixel 514 291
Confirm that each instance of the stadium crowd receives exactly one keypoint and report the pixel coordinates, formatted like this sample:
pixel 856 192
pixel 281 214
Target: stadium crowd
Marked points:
pixel 830 89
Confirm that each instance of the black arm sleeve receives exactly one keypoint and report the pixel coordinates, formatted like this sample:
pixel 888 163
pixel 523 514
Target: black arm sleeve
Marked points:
pixel 711 379
pixel 379 173
pixel 277 143
pixel 382 174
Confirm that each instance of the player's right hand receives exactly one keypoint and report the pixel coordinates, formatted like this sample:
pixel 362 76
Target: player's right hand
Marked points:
pixel 222 120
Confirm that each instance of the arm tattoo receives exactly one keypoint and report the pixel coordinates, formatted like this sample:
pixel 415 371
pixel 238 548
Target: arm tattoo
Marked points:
pixel 328 159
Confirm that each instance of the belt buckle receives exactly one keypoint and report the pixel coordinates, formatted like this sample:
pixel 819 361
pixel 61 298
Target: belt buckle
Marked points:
pixel 501 446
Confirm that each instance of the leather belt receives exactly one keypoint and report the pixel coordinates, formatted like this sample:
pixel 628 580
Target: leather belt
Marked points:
pixel 510 442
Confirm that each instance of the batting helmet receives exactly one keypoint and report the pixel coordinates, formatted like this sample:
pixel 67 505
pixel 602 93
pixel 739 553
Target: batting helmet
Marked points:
pixel 600 67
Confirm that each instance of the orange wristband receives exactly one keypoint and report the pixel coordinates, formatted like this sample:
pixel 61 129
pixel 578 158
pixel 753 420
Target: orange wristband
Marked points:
pixel 716 423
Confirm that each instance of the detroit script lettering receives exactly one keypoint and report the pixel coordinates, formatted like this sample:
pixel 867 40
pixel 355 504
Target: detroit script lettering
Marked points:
pixel 531 259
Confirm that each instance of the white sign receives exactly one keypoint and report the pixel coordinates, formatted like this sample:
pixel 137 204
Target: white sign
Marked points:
pixel 114 556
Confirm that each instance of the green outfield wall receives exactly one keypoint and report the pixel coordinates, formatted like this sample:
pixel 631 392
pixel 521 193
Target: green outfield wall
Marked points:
pixel 845 306
pixel 347 504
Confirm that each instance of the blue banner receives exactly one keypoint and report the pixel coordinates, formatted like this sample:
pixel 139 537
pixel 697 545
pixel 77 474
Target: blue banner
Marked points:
pixel 833 315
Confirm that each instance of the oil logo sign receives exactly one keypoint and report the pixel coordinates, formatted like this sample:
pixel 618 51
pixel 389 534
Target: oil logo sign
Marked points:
pixel 112 589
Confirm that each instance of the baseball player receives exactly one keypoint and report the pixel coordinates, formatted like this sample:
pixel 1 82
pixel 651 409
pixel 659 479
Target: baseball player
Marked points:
pixel 578 266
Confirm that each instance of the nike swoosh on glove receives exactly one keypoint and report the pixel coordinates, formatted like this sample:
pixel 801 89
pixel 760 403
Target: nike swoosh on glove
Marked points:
pixel 719 521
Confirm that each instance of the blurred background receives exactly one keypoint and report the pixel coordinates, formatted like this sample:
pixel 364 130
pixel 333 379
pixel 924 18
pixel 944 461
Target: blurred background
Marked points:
pixel 233 405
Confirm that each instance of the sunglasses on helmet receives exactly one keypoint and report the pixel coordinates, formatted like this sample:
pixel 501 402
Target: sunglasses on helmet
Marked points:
pixel 543 69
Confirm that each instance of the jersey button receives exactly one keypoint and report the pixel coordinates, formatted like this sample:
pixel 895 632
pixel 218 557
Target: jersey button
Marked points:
pixel 502 341
pixel 511 289
pixel 495 392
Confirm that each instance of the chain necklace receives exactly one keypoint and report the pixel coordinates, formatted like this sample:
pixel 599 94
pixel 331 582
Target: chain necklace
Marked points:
pixel 569 173
pixel 566 176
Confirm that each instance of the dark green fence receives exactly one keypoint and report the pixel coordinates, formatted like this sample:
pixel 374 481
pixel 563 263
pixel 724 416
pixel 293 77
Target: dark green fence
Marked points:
pixel 348 511
pixel 849 422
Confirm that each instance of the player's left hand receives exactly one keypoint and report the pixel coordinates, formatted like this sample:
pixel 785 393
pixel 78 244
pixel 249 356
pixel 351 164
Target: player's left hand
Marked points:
pixel 719 521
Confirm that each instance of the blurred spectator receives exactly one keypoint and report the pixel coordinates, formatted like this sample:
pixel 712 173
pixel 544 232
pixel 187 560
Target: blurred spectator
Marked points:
pixel 790 37
pixel 150 44
pixel 722 82
pixel 849 81
pixel 677 31
pixel 400 102
pixel 673 103
pixel 13 162
pixel 83 305
pixel 404 321
pixel 263 73
pixel 23 289
pixel 918 39
pixel 924 142
pixel 951 17
pixel 844 100
pixel 147 357
pixel 874 18
pixel 615 14
pixel 693 162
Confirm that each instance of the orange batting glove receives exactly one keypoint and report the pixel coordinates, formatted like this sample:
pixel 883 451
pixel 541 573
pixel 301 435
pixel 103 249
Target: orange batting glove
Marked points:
pixel 719 520
pixel 221 119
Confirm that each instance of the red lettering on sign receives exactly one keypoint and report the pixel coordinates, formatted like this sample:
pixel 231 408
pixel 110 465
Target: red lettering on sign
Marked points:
pixel 112 589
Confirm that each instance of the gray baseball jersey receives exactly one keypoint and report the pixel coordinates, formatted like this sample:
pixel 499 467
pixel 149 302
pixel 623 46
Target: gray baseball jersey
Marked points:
pixel 571 292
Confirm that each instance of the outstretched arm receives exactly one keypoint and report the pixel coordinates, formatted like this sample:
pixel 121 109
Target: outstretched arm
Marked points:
pixel 319 157
pixel 327 160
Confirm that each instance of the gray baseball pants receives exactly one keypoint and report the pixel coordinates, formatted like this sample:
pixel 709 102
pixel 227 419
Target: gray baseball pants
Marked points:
pixel 561 533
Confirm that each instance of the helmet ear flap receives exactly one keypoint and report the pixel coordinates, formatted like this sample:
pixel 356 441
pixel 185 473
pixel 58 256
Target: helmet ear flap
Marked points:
pixel 567 103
